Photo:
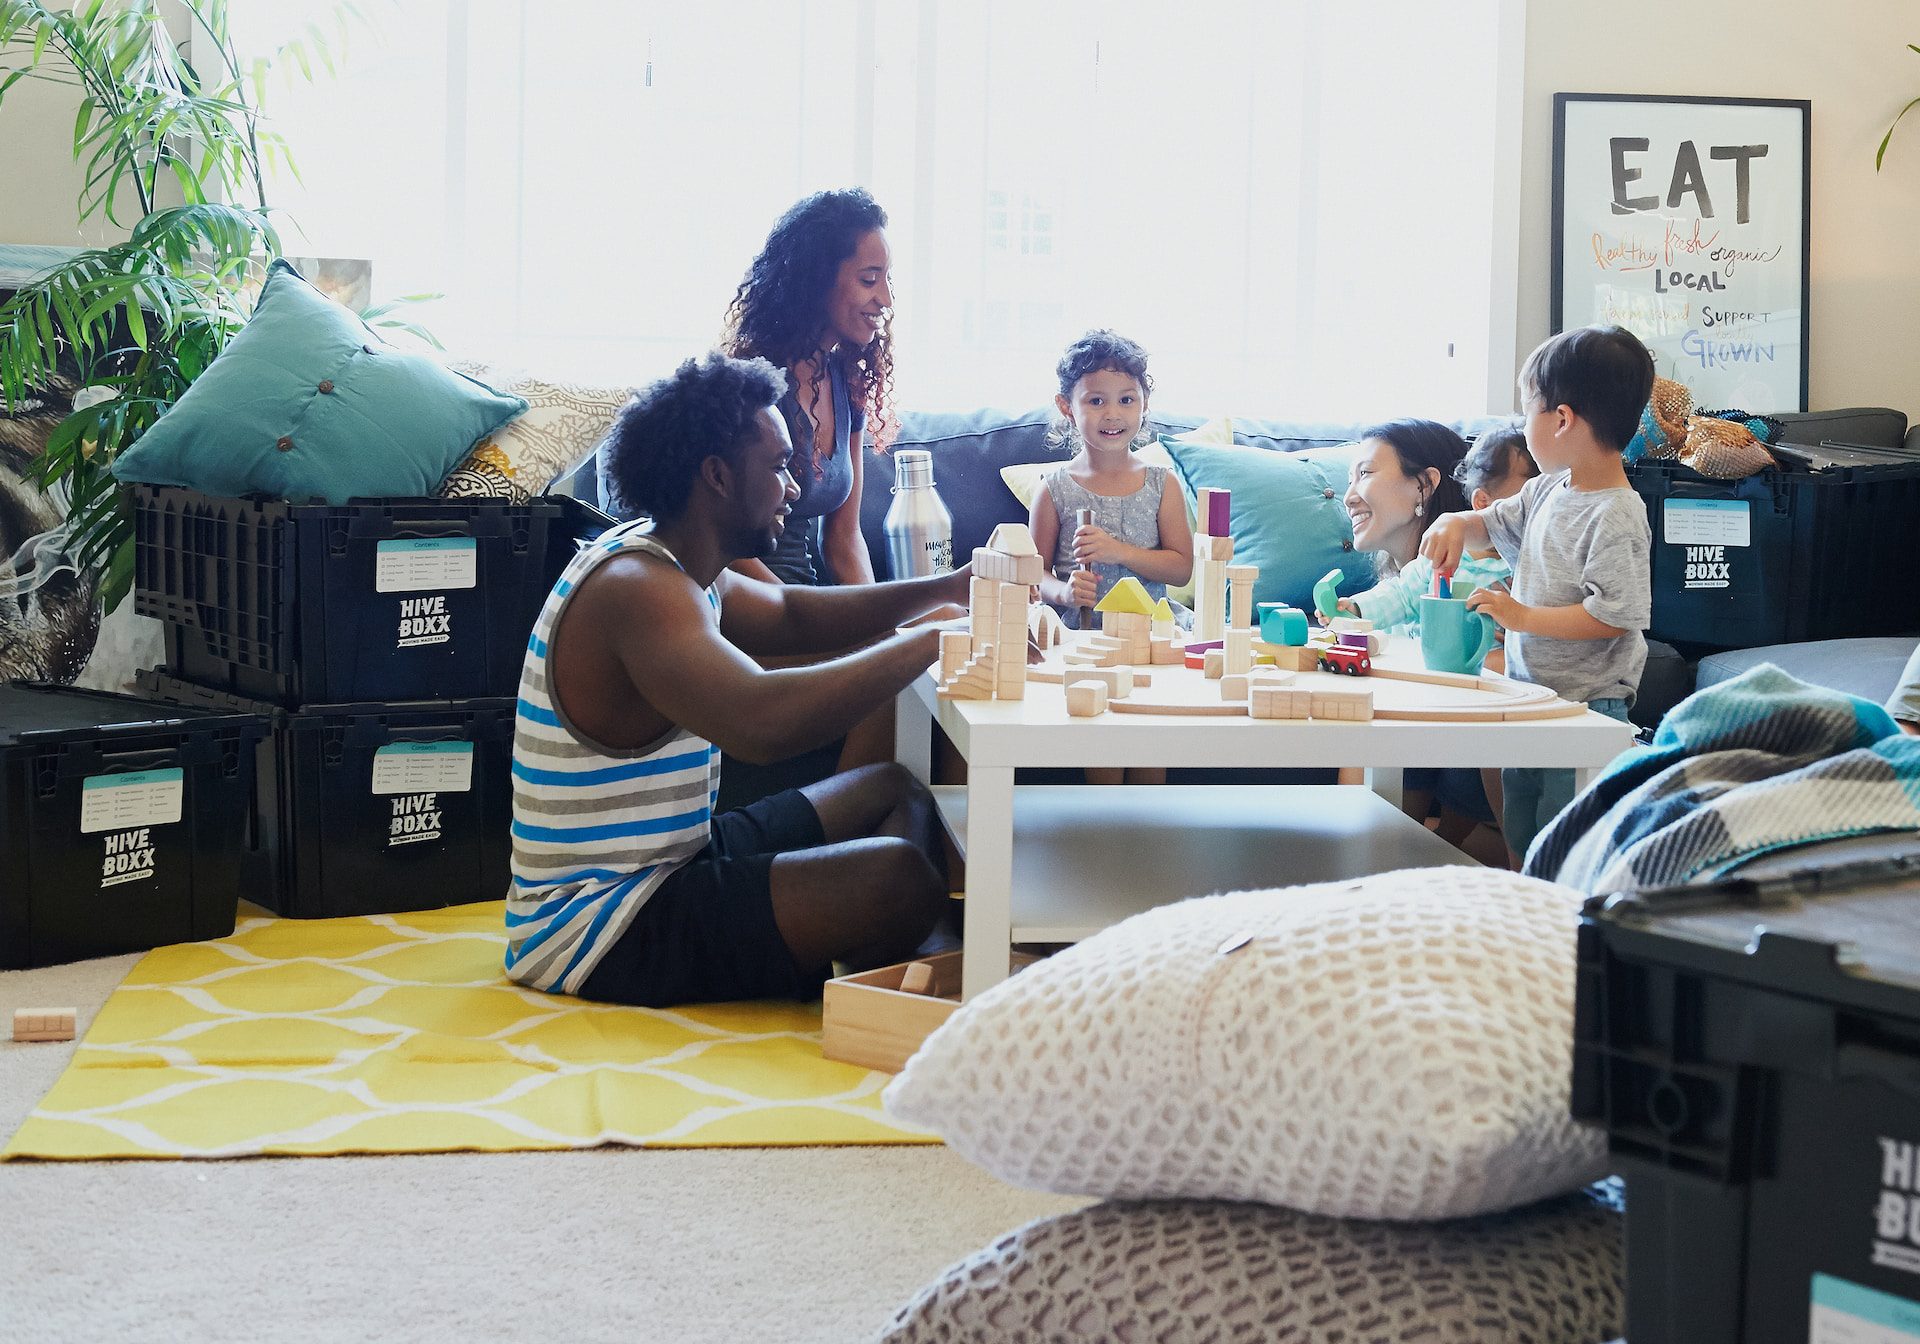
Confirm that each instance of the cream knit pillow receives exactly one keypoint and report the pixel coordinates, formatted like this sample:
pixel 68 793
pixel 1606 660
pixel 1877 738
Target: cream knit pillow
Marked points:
pixel 1202 1270
pixel 1393 1047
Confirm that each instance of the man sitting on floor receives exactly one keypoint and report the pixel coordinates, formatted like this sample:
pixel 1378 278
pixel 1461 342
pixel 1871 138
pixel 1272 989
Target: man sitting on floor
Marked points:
pixel 626 887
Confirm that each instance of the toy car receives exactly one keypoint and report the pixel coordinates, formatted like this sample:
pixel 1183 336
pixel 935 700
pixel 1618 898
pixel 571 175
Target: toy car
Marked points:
pixel 1339 658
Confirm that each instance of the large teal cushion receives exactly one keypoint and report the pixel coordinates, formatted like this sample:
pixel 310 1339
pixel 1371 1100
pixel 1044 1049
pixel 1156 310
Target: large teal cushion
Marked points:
pixel 307 403
pixel 1287 515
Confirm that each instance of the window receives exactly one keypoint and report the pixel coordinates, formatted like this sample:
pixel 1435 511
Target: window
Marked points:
pixel 1290 205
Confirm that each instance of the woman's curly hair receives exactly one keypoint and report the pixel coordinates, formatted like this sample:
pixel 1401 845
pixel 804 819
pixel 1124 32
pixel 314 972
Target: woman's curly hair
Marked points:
pixel 705 408
pixel 780 310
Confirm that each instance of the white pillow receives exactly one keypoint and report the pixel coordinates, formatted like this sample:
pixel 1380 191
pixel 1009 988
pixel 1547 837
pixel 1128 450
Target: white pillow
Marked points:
pixel 1194 1270
pixel 1393 1047
pixel 564 422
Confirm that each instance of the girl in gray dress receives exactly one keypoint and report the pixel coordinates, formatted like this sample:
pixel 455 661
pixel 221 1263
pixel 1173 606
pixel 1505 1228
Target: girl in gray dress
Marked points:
pixel 1139 522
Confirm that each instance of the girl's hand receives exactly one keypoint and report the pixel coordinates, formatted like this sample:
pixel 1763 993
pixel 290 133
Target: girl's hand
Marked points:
pixel 1095 545
pixel 1346 606
pixel 1083 588
pixel 1500 604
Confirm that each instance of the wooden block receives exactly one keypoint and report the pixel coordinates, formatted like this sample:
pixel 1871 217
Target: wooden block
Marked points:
pixel 917 978
pixel 1239 651
pixel 1270 677
pixel 1085 699
pixel 1289 659
pixel 956 646
pixel 1219 549
pixel 1349 625
pixel 44 1024
pixel 1012 539
pixel 1214 663
pixel 1343 705
pixel 1233 688
pixel 1247 574
pixel 1118 680
pixel 1165 653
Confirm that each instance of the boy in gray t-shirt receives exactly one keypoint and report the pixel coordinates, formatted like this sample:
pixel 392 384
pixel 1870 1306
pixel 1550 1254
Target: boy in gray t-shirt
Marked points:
pixel 1578 541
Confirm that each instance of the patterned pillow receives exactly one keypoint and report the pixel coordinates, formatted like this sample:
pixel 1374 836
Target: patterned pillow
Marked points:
pixel 1189 1270
pixel 1397 1046
pixel 563 424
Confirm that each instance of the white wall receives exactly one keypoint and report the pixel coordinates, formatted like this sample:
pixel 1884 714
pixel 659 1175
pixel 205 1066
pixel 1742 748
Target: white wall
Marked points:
pixel 1852 62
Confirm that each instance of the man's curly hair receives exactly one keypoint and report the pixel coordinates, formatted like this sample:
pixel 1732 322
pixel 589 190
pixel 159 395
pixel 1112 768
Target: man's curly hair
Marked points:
pixel 704 409
pixel 780 311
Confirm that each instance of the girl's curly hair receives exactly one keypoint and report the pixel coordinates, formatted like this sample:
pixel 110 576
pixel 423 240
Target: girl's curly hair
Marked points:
pixel 779 312
pixel 1096 352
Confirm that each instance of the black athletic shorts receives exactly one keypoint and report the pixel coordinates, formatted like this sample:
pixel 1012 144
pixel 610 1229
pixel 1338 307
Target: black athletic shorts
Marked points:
pixel 707 934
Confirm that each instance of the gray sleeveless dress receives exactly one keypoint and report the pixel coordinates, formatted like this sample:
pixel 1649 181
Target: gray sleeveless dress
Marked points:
pixel 1134 519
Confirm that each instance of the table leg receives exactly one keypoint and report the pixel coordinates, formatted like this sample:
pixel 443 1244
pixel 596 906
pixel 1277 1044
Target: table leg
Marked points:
pixel 913 734
pixel 1584 776
pixel 1385 781
pixel 989 904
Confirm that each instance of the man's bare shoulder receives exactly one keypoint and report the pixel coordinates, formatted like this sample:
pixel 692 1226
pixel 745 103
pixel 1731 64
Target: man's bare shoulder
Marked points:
pixel 636 583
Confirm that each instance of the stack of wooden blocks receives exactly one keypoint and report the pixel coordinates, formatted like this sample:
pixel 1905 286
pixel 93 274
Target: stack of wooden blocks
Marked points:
pixel 990 662
pixel 43 1024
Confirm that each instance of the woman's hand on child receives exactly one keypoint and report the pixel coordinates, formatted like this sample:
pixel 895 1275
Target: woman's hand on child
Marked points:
pixel 1095 545
pixel 1445 542
pixel 1507 612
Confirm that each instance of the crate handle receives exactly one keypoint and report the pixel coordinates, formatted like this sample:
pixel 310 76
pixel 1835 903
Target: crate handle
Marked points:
pixel 1853 1060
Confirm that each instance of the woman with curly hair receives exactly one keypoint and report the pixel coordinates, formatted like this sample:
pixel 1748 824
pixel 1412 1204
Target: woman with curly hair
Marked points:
pixel 817 302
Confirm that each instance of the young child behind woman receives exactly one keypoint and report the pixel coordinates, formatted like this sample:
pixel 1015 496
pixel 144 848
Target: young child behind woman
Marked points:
pixel 1139 518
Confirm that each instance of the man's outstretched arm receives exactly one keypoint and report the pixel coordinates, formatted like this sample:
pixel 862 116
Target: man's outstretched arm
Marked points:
pixel 661 630
pixel 769 620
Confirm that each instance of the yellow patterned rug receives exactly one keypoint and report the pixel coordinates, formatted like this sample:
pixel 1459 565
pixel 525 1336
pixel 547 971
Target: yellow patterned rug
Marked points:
pixel 400 1034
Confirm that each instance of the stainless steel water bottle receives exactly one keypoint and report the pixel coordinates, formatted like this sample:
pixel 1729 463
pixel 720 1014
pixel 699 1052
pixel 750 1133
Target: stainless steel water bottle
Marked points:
pixel 919 529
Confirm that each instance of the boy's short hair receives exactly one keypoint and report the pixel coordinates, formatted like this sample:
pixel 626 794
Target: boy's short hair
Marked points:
pixel 1603 373
pixel 705 408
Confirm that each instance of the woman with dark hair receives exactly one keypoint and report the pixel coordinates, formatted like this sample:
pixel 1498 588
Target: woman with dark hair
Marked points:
pixel 1406 474
pixel 817 303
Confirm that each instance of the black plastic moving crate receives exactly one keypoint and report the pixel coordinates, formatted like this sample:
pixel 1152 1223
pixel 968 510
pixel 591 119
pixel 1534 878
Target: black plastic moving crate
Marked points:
pixel 369 809
pixel 124 824
pixel 1820 549
pixel 1753 1049
pixel 379 600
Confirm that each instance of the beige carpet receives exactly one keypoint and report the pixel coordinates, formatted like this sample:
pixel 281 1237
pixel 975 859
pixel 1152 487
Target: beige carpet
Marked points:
pixel 787 1246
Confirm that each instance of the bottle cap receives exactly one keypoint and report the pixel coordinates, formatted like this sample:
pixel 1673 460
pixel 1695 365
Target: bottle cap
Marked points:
pixel 912 469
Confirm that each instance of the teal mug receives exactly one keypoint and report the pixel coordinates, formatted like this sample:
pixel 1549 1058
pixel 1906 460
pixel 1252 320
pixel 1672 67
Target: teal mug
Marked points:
pixel 1453 639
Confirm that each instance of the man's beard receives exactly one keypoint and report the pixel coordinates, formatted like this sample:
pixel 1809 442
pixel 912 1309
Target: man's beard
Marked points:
pixel 754 543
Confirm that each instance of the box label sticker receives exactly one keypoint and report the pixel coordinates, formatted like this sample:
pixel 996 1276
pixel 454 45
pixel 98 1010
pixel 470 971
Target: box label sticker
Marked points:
pixel 1707 522
pixel 424 620
pixel 139 798
pixel 423 767
pixel 1848 1313
pixel 1896 1215
pixel 128 858
pixel 426 563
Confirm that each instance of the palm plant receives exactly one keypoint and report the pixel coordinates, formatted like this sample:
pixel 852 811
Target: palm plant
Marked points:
pixel 142 318
pixel 1886 139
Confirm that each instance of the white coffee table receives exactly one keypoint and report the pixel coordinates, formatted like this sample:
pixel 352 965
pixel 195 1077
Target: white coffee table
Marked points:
pixel 1311 833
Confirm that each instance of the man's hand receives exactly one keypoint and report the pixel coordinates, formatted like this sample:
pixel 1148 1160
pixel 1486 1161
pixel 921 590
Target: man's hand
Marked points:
pixel 1446 542
pixel 1507 612
pixel 1095 545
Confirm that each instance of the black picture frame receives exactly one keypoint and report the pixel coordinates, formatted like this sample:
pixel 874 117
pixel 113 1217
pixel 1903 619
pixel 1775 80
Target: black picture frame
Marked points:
pixel 1723 339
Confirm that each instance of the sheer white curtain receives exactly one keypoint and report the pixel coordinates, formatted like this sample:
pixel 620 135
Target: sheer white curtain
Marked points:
pixel 1291 205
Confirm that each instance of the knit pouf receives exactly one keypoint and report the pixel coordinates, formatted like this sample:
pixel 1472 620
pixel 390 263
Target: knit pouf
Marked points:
pixel 1184 1272
pixel 1394 1047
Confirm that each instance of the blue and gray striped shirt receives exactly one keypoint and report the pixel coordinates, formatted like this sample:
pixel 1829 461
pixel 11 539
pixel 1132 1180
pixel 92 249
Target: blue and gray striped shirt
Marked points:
pixel 596 830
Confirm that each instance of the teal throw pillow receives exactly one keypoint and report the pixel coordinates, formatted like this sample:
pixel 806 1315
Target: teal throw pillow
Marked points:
pixel 307 403
pixel 1287 517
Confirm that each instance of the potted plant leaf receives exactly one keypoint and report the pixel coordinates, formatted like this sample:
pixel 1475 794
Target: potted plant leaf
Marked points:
pixel 167 128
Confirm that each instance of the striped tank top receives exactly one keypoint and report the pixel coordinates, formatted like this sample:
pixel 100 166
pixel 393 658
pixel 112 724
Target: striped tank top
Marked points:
pixel 595 830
